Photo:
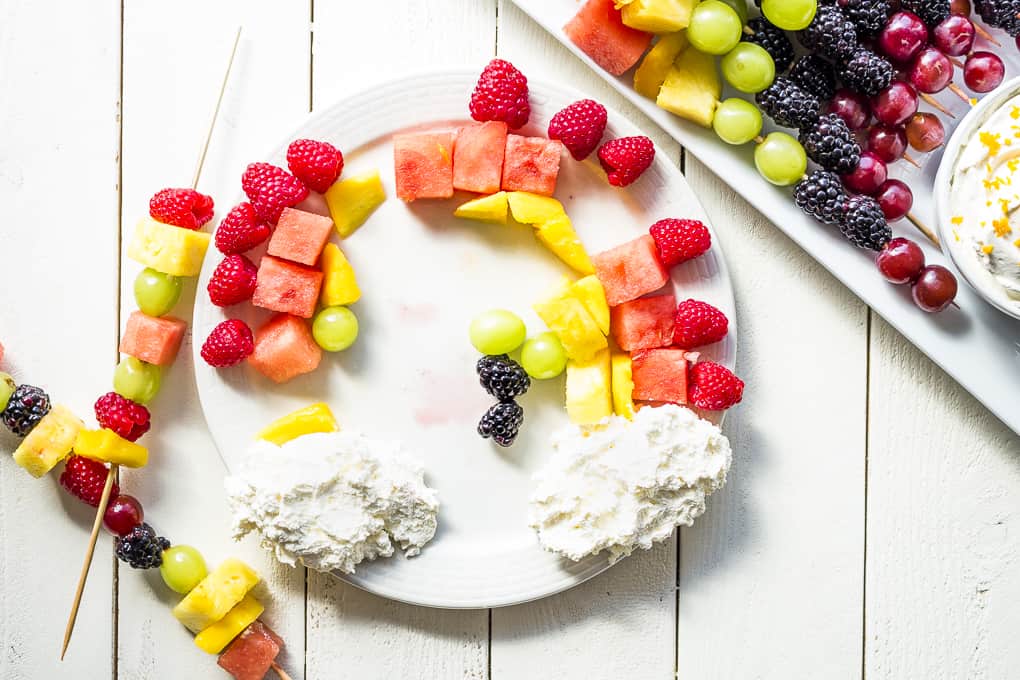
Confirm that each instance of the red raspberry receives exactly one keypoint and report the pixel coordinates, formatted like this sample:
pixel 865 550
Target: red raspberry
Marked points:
pixel 271 189
pixel 127 418
pixel 679 240
pixel 624 159
pixel 698 323
pixel 181 207
pixel 84 479
pixel 240 230
pixel 501 94
pixel 232 281
pixel 580 127
pixel 229 344
pixel 713 387
pixel 316 164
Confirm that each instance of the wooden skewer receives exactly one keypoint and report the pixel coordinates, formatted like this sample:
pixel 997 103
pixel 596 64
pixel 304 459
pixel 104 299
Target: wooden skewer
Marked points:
pixel 935 104
pixel 955 89
pixel 986 35
pixel 910 159
pixel 216 110
pixel 924 229
pixel 956 62
pixel 96 526
pixel 279 671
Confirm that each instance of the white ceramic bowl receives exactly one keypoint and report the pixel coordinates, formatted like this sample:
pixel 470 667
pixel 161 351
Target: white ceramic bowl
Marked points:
pixel 965 264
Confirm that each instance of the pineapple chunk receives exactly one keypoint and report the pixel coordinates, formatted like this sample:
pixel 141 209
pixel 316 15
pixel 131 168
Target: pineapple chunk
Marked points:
pixel 107 446
pixel 217 636
pixel 692 88
pixel 314 418
pixel 168 249
pixel 589 397
pixel 339 284
pixel 658 16
pixel 490 208
pixel 573 325
pixel 559 236
pixel 528 208
pixel 351 201
pixel 652 71
pixel 592 295
pixel 623 385
pixel 49 442
pixel 215 595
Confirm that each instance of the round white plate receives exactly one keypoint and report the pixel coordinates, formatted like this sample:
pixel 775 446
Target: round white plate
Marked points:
pixel 424 274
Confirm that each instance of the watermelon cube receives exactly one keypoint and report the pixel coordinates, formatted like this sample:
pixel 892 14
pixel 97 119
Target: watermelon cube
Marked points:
pixel 252 653
pixel 531 164
pixel 285 349
pixel 660 375
pixel 154 340
pixel 300 236
pixel 283 286
pixel 644 323
pixel 630 270
pixel 598 30
pixel 423 164
pixel 478 157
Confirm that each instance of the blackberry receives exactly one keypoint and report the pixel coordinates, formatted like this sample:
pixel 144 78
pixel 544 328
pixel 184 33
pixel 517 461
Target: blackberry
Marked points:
pixel 1000 14
pixel 502 377
pixel 831 144
pixel 866 72
pixel 868 16
pixel 932 12
pixel 789 104
pixel 864 224
pixel 502 422
pixel 821 196
pixel 815 75
pixel 25 409
pixel 142 548
pixel 831 33
pixel 773 40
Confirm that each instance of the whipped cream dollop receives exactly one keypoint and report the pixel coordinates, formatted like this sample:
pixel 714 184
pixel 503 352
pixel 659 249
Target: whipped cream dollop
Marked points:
pixel 626 484
pixel 983 202
pixel 330 501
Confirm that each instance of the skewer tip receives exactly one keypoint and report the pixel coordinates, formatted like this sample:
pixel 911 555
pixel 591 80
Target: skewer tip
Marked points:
pixel 279 671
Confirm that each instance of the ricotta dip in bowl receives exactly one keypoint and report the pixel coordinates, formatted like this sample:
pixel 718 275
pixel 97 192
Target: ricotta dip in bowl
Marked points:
pixel 977 198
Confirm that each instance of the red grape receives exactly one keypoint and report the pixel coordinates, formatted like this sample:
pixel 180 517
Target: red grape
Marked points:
pixel 983 71
pixel 870 174
pixel 903 36
pixel 934 289
pixel 925 132
pixel 895 104
pixel 851 107
pixel 901 261
pixel 887 142
pixel 931 71
pixel 955 36
pixel 123 514
pixel 895 198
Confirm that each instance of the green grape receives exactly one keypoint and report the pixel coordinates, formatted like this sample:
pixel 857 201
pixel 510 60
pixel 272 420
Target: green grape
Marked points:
pixel 7 387
pixel 749 68
pixel 715 27
pixel 737 121
pixel 740 7
pixel 543 356
pixel 790 15
pixel 156 293
pixel 497 331
pixel 335 328
pixel 182 569
pixel 136 380
pixel 781 159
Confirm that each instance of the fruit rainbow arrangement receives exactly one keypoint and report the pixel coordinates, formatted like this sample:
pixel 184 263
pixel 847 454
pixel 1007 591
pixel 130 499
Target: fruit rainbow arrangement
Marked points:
pixel 853 96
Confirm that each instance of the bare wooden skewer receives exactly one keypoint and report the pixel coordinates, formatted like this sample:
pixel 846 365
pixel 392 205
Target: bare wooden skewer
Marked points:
pixel 112 474
pixel 104 500
pixel 279 671
pixel 935 104
pixel 910 159
pixel 955 89
pixel 924 229
pixel 986 35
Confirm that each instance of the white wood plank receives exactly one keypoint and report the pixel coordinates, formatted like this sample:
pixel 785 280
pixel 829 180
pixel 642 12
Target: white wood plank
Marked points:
pixel 352 634
pixel 58 320
pixel 623 622
pixel 174 60
pixel 943 493
pixel 771 579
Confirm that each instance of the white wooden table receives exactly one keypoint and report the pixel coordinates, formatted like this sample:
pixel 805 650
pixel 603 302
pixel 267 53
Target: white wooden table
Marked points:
pixel 869 527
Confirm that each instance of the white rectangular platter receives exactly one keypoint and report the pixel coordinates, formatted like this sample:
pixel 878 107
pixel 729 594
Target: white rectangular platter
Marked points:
pixel 976 344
